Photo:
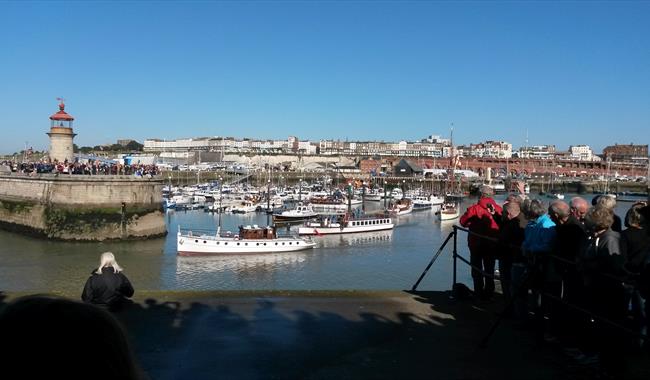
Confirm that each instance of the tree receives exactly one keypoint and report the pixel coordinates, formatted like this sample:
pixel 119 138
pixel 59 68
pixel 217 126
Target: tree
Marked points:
pixel 134 146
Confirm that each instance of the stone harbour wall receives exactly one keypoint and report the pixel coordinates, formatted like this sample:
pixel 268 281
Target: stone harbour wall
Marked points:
pixel 79 207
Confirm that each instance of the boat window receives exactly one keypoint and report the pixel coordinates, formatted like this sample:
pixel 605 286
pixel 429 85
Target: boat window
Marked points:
pixel 204 241
pixel 245 243
pixel 297 242
pixel 264 243
pixel 226 243
pixel 196 241
pixel 276 243
pixel 237 243
pixel 289 243
pixel 217 243
pixel 282 243
pixel 258 243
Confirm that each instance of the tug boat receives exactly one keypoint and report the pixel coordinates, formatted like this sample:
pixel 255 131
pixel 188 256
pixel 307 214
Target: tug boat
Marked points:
pixel 250 239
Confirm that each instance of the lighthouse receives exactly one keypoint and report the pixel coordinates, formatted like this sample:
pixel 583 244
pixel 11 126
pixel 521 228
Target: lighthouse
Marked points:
pixel 61 135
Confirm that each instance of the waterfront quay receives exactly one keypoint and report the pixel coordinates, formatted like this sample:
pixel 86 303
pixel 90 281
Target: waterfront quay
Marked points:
pixel 336 334
pixel 78 207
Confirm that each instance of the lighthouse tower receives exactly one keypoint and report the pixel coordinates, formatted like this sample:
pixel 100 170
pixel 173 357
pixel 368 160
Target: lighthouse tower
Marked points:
pixel 61 135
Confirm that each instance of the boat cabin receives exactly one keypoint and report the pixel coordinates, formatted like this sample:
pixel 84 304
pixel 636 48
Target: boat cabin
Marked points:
pixel 256 232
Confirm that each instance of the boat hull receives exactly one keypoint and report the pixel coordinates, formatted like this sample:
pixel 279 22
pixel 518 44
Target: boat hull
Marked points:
pixel 355 226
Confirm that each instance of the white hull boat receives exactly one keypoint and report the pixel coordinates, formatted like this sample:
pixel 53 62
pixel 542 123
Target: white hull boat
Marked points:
pixel 403 207
pixel 301 212
pixel 325 227
pixel 449 211
pixel 249 240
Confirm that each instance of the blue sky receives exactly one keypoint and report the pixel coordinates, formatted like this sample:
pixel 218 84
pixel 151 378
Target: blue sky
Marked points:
pixel 566 72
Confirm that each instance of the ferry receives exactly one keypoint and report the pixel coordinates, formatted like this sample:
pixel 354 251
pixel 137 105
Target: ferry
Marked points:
pixel 250 239
pixel 345 225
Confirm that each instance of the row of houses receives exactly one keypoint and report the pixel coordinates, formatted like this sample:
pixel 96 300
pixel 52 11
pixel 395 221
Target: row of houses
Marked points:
pixel 432 146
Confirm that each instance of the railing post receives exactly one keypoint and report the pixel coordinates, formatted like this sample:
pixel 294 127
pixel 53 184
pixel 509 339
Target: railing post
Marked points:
pixel 455 254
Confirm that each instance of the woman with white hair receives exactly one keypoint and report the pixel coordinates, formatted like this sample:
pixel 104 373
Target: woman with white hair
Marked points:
pixel 107 285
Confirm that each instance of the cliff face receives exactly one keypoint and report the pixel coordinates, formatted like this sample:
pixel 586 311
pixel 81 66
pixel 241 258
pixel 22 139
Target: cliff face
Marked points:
pixel 82 207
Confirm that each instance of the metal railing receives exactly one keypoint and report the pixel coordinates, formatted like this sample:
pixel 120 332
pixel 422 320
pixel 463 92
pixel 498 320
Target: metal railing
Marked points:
pixel 523 288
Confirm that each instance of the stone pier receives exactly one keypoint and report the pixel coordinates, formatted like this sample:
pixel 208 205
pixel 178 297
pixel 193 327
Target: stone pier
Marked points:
pixel 76 207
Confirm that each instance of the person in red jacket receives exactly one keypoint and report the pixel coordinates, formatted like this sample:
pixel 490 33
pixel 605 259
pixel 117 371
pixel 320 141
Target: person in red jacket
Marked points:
pixel 481 219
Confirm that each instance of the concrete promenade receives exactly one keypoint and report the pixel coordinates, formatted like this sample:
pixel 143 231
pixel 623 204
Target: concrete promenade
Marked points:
pixel 326 335
pixel 335 335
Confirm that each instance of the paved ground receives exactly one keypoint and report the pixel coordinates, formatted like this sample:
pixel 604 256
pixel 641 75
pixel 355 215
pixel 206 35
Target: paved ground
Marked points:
pixel 325 335
pixel 335 335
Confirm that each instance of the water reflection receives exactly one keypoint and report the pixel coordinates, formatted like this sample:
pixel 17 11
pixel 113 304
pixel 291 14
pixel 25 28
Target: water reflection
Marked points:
pixel 188 266
pixel 377 238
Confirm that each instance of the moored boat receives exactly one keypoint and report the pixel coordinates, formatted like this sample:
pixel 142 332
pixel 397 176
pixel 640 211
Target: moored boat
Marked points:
pixel 300 212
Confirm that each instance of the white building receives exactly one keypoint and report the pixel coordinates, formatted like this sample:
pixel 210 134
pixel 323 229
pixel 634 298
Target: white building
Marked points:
pixel 544 152
pixel 581 153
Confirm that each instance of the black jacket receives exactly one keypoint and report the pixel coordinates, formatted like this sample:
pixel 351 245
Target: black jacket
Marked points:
pixel 108 288
pixel 511 236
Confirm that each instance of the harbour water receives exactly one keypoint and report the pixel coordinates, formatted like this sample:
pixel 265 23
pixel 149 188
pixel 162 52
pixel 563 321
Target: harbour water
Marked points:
pixel 374 261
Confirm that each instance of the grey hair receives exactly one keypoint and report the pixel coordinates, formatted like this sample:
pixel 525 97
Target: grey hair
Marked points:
pixel 107 259
pixel 599 218
pixel 633 218
pixel 559 208
pixel 579 202
pixel 486 191
pixel 513 206
pixel 535 209
pixel 607 201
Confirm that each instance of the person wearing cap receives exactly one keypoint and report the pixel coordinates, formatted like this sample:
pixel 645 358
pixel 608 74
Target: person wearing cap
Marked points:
pixel 481 220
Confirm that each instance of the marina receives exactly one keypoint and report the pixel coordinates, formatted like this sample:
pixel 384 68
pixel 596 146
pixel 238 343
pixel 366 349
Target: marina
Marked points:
pixel 390 259
pixel 348 261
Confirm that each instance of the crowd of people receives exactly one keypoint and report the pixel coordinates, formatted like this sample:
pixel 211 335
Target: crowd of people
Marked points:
pixel 575 272
pixel 85 168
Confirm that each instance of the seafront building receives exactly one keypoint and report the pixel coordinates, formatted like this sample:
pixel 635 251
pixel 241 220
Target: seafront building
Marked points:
pixel 432 146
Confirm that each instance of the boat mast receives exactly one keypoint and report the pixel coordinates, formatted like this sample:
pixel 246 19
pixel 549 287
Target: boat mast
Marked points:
pixel 220 210
pixel 453 160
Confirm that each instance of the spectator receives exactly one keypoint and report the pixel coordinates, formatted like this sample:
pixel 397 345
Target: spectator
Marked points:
pixel 601 265
pixel 480 219
pixel 511 261
pixel 107 286
pixel 609 202
pixel 635 248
